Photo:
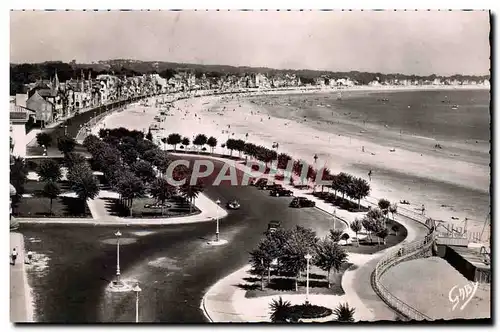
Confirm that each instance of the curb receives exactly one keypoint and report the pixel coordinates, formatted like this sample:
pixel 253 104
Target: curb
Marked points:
pixel 204 308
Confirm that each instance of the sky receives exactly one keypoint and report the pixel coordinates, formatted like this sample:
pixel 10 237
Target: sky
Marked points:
pixel 410 42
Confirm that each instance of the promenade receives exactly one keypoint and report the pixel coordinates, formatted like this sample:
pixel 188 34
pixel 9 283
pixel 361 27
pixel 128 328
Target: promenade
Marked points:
pixel 21 306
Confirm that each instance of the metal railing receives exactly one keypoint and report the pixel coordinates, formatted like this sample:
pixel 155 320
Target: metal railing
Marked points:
pixel 409 251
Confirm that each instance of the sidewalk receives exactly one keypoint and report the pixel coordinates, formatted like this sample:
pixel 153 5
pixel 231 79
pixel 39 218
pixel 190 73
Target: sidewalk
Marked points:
pixel 21 306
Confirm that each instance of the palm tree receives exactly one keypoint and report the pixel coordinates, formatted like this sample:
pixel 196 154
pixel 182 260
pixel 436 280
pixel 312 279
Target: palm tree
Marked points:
pixel 280 310
pixel 344 313
pixel 356 227
pixel 335 235
pixel 51 190
pixel 329 255
pixel 190 192
pixel 161 190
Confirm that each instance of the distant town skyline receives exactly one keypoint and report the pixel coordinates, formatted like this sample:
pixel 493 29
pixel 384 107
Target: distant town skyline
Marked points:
pixel 421 43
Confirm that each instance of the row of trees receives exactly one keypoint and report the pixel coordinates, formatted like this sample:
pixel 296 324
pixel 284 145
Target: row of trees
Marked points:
pixel 65 144
pixel 288 248
pixel 131 164
pixel 200 140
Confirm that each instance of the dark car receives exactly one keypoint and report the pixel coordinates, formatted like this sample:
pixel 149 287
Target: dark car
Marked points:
pixel 273 186
pixel 273 225
pixel 233 205
pixel 260 182
pixel 280 192
pixel 299 202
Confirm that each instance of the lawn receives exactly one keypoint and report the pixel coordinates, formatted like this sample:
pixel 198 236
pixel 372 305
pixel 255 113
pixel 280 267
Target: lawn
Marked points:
pixel 339 202
pixel 30 207
pixel 370 247
pixel 285 283
pixel 179 208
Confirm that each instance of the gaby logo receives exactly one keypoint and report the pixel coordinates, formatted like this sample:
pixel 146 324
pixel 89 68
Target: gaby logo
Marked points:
pixel 462 295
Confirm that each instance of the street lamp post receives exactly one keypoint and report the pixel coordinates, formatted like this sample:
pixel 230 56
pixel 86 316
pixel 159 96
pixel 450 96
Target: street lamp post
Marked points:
pixel 137 290
pixel 217 218
pixel 118 234
pixel 308 258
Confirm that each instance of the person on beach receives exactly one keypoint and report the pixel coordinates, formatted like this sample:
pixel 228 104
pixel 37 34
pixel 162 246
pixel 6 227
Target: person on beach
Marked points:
pixel 13 257
pixel 370 175
pixel 423 209
pixel 362 149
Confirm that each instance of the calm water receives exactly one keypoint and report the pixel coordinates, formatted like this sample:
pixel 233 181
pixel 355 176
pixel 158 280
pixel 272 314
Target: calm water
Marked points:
pixel 421 113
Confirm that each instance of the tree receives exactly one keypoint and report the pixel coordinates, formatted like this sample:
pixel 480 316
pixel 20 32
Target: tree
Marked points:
pixel 149 135
pixel 185 141
pixel 51 190
pixel 384 206
pixel 393 209
pixel 143 170
pixel 130 187
pixel 212 143
pixel 329 255
pixel 43 139
pixel 190 192
pixel 72 159
pixel 382 233
pixel 360 189
pixel 280 310
pixel 66 144
pixel 161 190
pixel 200 140
pixel 344 313
pixel 376 215
pixel 345 237
pixel 18 176
pixel 174 139
pixel 83 182
pixel 368 225
pixel 301 241
pixel 356 227
pixel 231 145
pixel 49 170
pixel 395 229
pixel 335 235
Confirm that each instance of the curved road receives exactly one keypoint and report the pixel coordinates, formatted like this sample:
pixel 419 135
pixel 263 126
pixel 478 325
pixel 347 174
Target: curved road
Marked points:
pixel 173 264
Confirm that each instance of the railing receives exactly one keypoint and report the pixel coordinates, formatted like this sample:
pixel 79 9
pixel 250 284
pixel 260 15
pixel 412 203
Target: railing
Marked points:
pixel 410 251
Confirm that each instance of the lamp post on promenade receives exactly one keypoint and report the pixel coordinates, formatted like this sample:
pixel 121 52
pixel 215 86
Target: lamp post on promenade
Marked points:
pixel 118 234
pixel 308 258
pixel 137 290
pixel 217 218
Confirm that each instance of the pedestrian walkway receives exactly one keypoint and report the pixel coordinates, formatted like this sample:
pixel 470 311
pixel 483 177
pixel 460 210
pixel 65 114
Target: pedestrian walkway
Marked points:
pixel 21 306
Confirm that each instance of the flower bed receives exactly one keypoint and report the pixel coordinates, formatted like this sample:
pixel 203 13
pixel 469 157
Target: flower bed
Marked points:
pixel 308 311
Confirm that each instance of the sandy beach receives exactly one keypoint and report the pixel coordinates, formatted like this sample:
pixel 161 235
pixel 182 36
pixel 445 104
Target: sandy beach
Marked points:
pixel 452 187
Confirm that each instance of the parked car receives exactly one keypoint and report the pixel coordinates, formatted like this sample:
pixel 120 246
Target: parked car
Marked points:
pixel 273 225
pixel 259 182
pixel 277 192
pixel 299 202
pixel 233 205
pixel 271 186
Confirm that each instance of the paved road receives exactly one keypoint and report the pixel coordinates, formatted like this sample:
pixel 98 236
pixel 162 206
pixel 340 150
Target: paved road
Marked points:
pixel 173 264
pixel 73 126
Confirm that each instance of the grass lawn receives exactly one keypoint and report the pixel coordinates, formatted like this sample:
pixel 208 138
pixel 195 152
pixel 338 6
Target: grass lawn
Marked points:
pixel 338 201
pixel 179 208
pixel 367 247
pixel 285 284
pixel 30 207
